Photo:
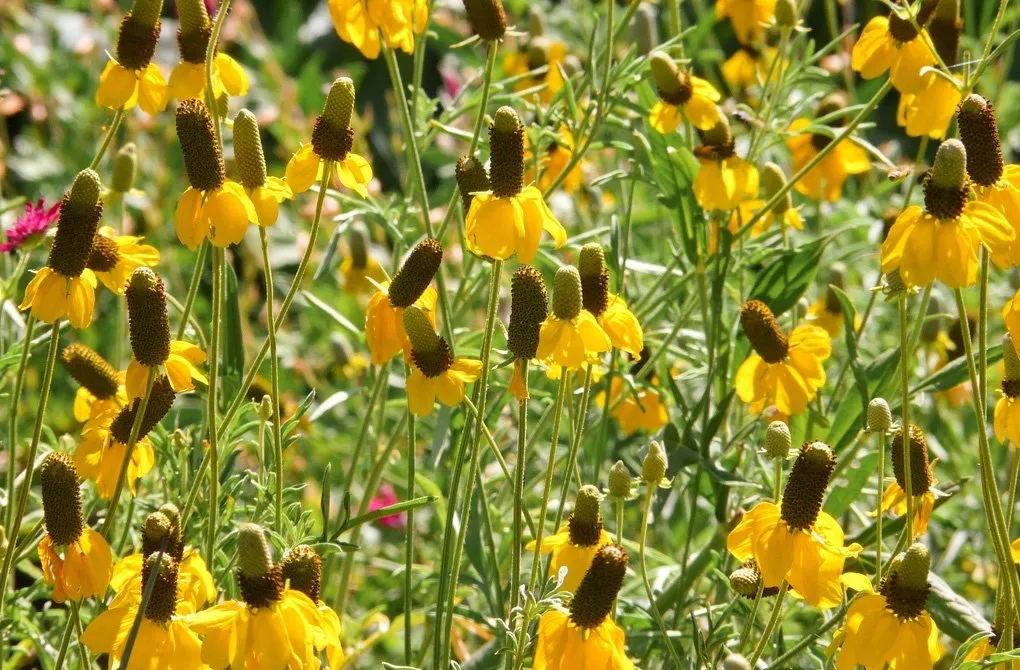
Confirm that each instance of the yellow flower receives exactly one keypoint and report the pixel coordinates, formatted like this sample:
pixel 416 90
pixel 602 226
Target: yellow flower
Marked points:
pixel 273 636
pixel 893 44
pixel 1004 195
pixel 575 557
pixel 642 410
pixel 570 336
pixel 820 315
pixel 986 646
pixel 187 80
pixel 553 161
pixel 895 499
pixel 114 257
pixel 266 199
pixel 384 323
pixel 99 455
pixel 681 96
pixel 53 296
pixel 929 111
pixel 305 169
pixel 747 16
pixel 361 280
pixel 195 584
pixel 539 52
pixel 86 405
pixel 825 180
pixel 1007 419
pixel 622 327
pixel 500 227
pixel 78 570
pixel 120 87
pixel 781 371
pixel 447 386
pixel 181 368
pixel 746 67
pixel 746 210
pixel 724 180
pixel 365 23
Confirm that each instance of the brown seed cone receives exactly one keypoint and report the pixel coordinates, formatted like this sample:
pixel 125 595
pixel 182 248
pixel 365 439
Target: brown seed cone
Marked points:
pixel 80 212
pixel 805 488
pixel 595 595
pixel 261 591
pixel 528 309
pixel 61 497
pixel 136 43
pixel 163 603
pixel 416 273
pixel 105 254
pixel 471 179
pixel 192 45
pixel 90 370
pixel 506 153
pixel 487 18
pixel 330 142
pixel 583 534
pixel 301 567
pixel 979 131
pixel 906 587
pixel 763 331
pixel 203 159
pixel 148 321
pixel 435 362
pixel 161 401
pixel 920 471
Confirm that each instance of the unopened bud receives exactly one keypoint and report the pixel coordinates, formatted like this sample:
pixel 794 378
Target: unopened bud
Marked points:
pixel 778 440
pixel 248 154
pixel 653 468
pixel 621 482
pixel 125 167
pixel 879 416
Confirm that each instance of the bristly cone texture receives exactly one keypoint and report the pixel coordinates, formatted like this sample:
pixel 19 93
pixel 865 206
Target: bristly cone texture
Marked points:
pixel 805 488
pixel 61 497
pixel 594 598
pixel 763 331
pixel 920 472
pixel 979 130
pixel 416 273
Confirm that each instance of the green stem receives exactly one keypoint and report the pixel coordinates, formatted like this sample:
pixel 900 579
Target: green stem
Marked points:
pixel 647 512
pixel 65 639
pixel 777 611
pixel 1013 477
pixel 210 93
pixel 409 541
pixel 12 418
pixel 196 280
pixel 214 375
pixel 561 395
pixel 518 495
pixel 906 357
pixel 575 444
pixel 110 132
pixel 878 510
pixel 274 375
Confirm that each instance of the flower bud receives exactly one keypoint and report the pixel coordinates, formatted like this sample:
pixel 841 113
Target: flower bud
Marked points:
pixel 778 440
pixel 786 14
pixel 266 408
pixel 90 370
pixel 620 481
pixel 774 180
pixel 735 662
pixel 80 212
pixel 653 468
pixel 487 18
pixel 248 154
pixel 416 273
pixel 203 160
pixel 567 293
pixel 506 153
pixel 879 416
pixel 125 167
pixel 528 309
pixel 148 321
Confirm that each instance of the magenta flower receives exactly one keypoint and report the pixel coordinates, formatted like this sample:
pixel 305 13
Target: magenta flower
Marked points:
pixel 385 498
pixel 30 227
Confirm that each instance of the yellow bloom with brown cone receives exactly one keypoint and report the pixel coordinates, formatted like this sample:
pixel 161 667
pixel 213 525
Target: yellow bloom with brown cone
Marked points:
pixel 583 635
pixel 942 241
pixel 301 568
pixel 893 44
pixel 892 627
pixel 511 217
pixel 435 373
pixel 724 179
pixel 610 310
pixel 794 540
pixel 65 287
pixel 114 257
pixel 187 79
pixel 271 627
pixel 181 368
pixel 100 386
pixel 783 371
pixel 570 336
pixel 539 52
pixel 681 96
pixel 132 78
pixel 747 16
pixel 577 542
pixel 164 638
pixel 1007 408
pixel 922 482
pixel 367 24
pixel 213 207
pixel 384 315
pixel 332 140
pixel 75 559
pixel 930 111
pixel 641 409
pixel 825 180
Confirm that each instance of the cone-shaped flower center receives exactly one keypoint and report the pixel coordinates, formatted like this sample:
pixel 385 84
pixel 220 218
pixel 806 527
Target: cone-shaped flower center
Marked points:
pixel 61 498
pixel 528 309
pixel 763 331
pixel 80 213
pixel 430 352
pixel 471 179
pixel 203 159
pixel 506 153
pixel 248 154
pixel 90 370
pixel 332 136
pixel 302 569
pixel 906 587
pixel 567 301
pixel 487 18
pixel 979 131
pixel 920 473
pixel 260 581
pixel 139 33
pixel 674 87
pixel 163 602
pixel 594 597
pixel 148 321
pixel 585 524
pixel 161 400
pixel 594 278
pixel 945 186
pixel 805 489
pixel 416 273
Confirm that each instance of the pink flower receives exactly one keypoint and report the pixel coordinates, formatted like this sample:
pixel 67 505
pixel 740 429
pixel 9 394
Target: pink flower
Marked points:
pixel 30 227
pixel 385 498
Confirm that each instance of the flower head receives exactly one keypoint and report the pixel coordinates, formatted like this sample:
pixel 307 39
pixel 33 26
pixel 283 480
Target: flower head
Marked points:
pixel 747 16
pixel 570 336
pixel 100 386
pixel 435 373
pixel 783 212
pixel 265 192
pixel 510 218
pixel 575 545
pixel 360 271
pixel 114 257
pixel 724 179
pixel 681 96
pixel 1007 408
pixel 132 78
pixel 301 570
pixel 187 80
pixel 930 111
pixel 894 44
pixel 921 480
pixel 30 227
pixel 368 23
pixel 825 180
pixel 610 310
pixel 487 18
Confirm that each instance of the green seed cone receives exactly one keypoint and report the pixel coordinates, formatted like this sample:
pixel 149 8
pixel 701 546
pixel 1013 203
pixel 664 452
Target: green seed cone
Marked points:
pixel 567 300
pixel 248 154
pixel 125 168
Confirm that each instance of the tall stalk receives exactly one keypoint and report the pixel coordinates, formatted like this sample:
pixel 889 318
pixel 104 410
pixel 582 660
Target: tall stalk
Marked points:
pixel 409 540
pixel 274 380
pixel 211 407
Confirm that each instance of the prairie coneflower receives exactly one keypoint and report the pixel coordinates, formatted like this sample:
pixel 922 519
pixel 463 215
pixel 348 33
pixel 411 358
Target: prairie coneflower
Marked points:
pixel 510 218
pixel 271 627
pixel 583 635
pixel 212 206
pixel 681 96
pixel 151 346
pixel 724 179
pixel 384 318
pixel 994 182
pixel 435 373
pixel 610 310
pixel 794 540
pixel 265 192
pixel 114 257
pixel 132 78
pixel 164 639
pixel 570 337
pixel 361 273
pixel 1007 408
pixel 921 480
pixel 65 286
pixel 552 161
pixel 575 545
pixel 487 18
pixel 332 140
pixel 538 52
pixel 301 570
pixel 75 559
pixel 893 626
pixel 747 16
pixel 785 371
pixel 942 240
pixel 746 67
pixel 30 228
pixel 783 212
pixel 893 43
pixel 187 80
pixel 104 439
pixel 368 23
pixel 642 409
pixel 930 111
pixel 528 310
pixel 825 180
pixel 100 387
pixel 162 528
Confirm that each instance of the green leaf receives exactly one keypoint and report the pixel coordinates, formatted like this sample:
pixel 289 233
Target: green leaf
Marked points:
pixel 851 410
pixel 953 614
pixel 839 500
pixel 786 279
pixel 965 648
pixel 850 335
pixel 955 373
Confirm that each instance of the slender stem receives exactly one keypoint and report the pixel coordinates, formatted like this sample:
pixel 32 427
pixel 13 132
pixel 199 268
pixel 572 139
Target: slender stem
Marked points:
pixel 65 639
pixel 777 492
pixel 214 375
pixel 210 91
pixel 575 444
pixel 1013 477
pixel 274 380
pixel 33 450
pixel 483 385
pixel 110 132
pixel 906 355
pixel 196 280
pixel 878 510
pixel 12 418
pixel 409 542
pixel 561 395
pixel 129 452
pixel 982 330
pixel 647 512
pixel 519 472
pixel 777 610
